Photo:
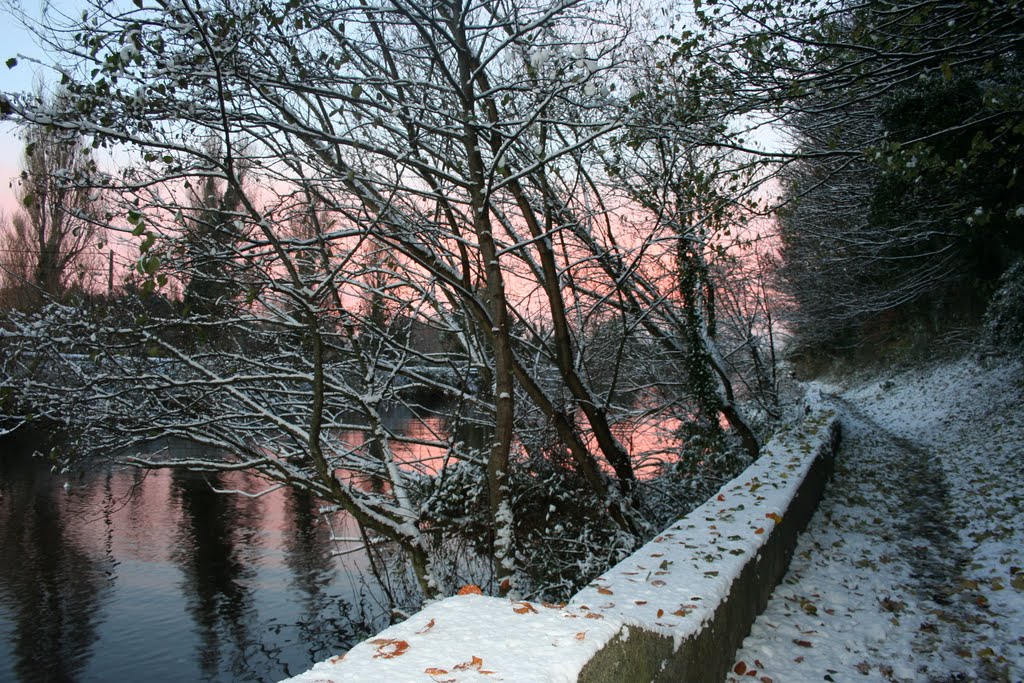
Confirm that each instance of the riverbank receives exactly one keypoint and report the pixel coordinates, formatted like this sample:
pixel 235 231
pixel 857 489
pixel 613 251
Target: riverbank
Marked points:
pixel 913 567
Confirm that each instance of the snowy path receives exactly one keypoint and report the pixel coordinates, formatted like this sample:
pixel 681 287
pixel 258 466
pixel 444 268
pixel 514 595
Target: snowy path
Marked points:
pixel 911 567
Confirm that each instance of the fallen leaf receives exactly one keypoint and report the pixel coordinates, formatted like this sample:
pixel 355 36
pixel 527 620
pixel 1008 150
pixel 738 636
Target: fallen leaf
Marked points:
pixel 474 663
pixel 802 643
pixel 591 615
pixel 604 591
pixel 799 659
pixel 890 605
pixel 581 635
pixel 774 516
pixel 435 672
pixel 721 497
pixel 657 582
pixel 760 530
pixel 389 648
pixel 430 625
pixel 640 602
pixel 740 668
pixel 523 608
pixel 661 613
pixel 765 679
pixel 470 589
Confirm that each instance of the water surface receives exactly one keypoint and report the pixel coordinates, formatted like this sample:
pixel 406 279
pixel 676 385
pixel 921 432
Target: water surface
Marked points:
pixel 117 574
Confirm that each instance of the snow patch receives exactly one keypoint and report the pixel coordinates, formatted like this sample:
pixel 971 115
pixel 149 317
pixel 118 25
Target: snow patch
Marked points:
pixel 670 586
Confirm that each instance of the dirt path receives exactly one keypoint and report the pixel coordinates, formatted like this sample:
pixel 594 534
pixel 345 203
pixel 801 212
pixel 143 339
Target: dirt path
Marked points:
pixel 876 589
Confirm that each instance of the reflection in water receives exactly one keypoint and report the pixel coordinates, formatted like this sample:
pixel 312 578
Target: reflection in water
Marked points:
pixel 205 549
pixel 322 617
pixel 128 572
pixel 50 585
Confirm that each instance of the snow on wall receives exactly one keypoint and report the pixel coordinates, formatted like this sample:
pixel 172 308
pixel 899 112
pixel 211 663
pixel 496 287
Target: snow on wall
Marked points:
pixel 670 589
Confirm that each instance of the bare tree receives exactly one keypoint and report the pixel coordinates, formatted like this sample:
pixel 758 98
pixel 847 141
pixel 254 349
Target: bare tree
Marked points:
pixel 388 173
pixel 50 244
pixel 900 199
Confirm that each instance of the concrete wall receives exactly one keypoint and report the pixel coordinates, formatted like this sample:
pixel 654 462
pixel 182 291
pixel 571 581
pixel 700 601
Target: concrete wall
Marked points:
pixel 675 610
pixel 707 656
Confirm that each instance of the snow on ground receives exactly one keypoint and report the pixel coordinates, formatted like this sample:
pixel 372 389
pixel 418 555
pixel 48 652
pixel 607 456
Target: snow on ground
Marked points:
pixel 671 586
pixel 913 567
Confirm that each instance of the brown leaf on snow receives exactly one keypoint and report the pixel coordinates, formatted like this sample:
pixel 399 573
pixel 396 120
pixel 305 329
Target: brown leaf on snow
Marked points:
pixel 759 530
pixel 640 602
pixel 389 648
pixel 661 613
pixel 740 668
pixel 592 615
pixel 470 589
pixel 474 663
pixel 657 582
pixel 435 672
pixel 802 643
pixel 604 591
pixel 581 635
pixel 430 625
pixel 523 608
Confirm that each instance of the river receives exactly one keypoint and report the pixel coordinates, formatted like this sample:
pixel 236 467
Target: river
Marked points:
pixel 117 574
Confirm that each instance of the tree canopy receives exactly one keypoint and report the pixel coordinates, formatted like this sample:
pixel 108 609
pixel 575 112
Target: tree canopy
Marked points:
pixel 547 221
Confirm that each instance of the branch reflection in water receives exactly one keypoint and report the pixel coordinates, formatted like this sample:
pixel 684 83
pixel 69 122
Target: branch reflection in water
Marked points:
pixel 109 572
